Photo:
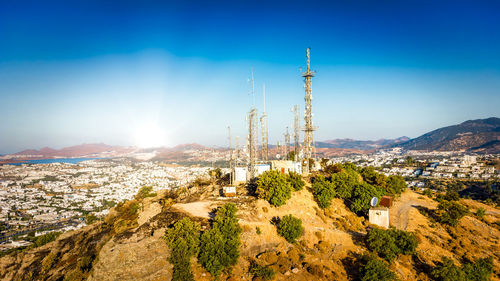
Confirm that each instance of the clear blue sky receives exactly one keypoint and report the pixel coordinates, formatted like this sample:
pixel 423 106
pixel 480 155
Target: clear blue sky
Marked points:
pixel 150 73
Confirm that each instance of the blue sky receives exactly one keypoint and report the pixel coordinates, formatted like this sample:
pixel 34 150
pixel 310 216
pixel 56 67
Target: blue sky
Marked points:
pixel 163 73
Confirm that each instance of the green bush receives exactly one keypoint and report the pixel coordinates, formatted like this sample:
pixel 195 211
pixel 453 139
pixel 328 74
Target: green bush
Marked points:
pixel 374 269
pixel 263 272
pixel 323 191
pixel 46 238
pixel 219 246
pixel 344 183
pixel 479 270
pixel 362 194
pixel 290 228
pixel 480 213
pixel 451 212
pixel 90 219
pixel 451 195
pixel 295 180
pixel 183 240
pixel 395 185
pixel 145 191
pixel 388 244
pixel 274 187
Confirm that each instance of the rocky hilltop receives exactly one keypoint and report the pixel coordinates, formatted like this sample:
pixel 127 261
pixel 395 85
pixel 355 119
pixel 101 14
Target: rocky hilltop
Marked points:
pixel 481 135
pixel 129 243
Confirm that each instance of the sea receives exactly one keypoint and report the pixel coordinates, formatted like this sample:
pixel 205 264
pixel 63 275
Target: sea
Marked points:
pixel 55 160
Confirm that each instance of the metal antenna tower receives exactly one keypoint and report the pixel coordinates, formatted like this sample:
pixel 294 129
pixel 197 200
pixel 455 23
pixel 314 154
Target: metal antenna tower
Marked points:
pixel 296 130
pixel 237 150
pixel 265 132
pixel 287 143
pixel 253 145
pixel 230 155
pixel 308 126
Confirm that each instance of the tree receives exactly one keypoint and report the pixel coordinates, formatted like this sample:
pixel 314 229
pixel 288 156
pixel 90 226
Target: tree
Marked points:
pixel 183 240
pixel 372 177
pixel 446 270
pixel 374 269
pixel 290 228
pixel 344 183
pixel 451 195
pixel 274 187
pixel 219 246
pixel 480 213
pixel 389 244
pixel 395 185
pixel 362 194
pixel 323 191
pixel 295 180
pixel 451 212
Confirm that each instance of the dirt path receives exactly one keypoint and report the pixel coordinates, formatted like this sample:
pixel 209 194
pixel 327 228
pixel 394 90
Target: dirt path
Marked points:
pixel 197 209
pixel 405 208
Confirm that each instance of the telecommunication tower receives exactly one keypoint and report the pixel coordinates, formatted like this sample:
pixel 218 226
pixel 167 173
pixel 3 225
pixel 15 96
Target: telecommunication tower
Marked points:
pixel 308 126
pixel 296 130
pixel 253 145
pixel 230 155
pixel 287 143
pixel 265 132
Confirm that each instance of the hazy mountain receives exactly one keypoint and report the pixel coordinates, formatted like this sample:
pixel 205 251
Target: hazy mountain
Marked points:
pixel 359 144
pixel 83 150
pixel 481 135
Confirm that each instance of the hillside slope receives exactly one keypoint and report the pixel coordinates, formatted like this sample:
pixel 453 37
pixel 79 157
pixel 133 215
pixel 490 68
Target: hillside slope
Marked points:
pixel 330 246
pixel 479 135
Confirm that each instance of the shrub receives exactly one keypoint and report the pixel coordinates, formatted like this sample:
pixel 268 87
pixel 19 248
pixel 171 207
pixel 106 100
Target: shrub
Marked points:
pixel 451 196
pixel 480 213
pixel 451 212
pixel 183 240
pixel 145 191
pixel 344 183
pixel 274 187
pixel 374 269
pixel 388 244
pixel 295 180
pixel 362 194
pixel 446 270
pixel 262 272
pixel 290 228
pixel 323 191
pixel 219 246
pixel 258 231
pixel 395 185
pixel 46 238
pixel 90 219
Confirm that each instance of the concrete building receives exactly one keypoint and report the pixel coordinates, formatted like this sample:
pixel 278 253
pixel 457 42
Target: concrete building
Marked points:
pixel 379 216
pixel 286 166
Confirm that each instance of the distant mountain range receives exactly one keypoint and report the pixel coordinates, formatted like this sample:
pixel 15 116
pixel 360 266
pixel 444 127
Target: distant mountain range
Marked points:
pixel 481 136
pixel 359 144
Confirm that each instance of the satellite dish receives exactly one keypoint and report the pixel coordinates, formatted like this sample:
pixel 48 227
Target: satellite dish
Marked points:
pixel 374 201
pixel 278 156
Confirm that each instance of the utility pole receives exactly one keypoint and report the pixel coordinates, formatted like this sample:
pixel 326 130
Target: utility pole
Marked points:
pixel 296 130
pixel 308 126
pixel 265 132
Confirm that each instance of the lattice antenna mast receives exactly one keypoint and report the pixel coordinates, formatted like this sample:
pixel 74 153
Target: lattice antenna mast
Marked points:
pixel 265 132
pixel 296 130
pixel 253 145
pixel 237 150
pixel 230 155
pixel 308 126
pixel 287 143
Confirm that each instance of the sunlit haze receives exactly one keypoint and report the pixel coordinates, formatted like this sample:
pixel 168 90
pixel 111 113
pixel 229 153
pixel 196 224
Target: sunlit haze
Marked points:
pixel 153 74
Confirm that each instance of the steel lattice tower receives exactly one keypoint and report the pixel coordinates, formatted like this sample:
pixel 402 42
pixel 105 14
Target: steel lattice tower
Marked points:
pixel 265 132
pixel 253 142
pixel 308 126
pixel 287 143
pixel 296 130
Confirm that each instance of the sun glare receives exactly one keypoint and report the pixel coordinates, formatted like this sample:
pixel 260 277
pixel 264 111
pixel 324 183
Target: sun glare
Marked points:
pixel 149 135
